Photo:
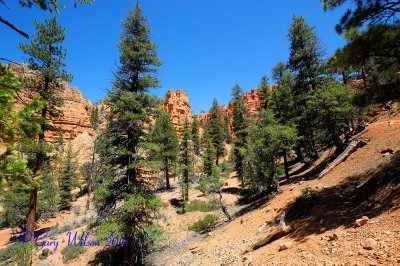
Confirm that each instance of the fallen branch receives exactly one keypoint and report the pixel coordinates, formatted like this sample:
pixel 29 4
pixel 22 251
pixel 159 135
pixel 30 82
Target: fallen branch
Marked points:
pixel 351 148
pixel 274 234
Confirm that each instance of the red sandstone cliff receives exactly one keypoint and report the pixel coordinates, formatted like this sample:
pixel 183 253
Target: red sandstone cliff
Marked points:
pixel 76 109
pixel 251 101
pixel 176 103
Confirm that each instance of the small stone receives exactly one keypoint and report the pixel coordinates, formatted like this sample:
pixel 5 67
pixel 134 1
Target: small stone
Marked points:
pixel 360 222
pixel 268 209
pixel 45 252
pixel 369 244
pixel 301 182
pixel 332 237
pixel 292 187
pixel 285 246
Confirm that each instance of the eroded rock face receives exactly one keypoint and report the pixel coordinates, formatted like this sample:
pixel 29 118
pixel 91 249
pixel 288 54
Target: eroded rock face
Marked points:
pixel 251 101
pixel 76 110
pixel 176 103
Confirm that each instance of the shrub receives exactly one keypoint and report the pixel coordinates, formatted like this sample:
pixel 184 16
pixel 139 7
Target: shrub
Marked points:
pixel 72 252
pixel 202 206
pixel 20 253
pixel 206 224
pixel 302 204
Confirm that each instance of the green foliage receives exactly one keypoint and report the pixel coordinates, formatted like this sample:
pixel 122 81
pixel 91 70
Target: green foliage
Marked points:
pixel 330 109
pixel 196 136
pixel 67 179
pixel 302 204
pixel 202 206
pixel 268 141
pixel 51 5
pixel 71 252
pixel 206 224
pixel 216 130
pixel 209 156
pixel 227 129
pixel 95 118
pixel 166 150
pixel 240 128
pixel 264 90
pixel 366 11
pixel 19 253
pixel 48 195
pixel 186 158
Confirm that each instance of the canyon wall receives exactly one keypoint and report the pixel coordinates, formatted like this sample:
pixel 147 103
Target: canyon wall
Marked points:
pixel 177 104
pixel 251 101
pixel 76 110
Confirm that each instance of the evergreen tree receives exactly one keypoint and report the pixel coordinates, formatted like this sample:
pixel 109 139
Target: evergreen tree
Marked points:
pixel 67 177
pixel 305 62
pixel 240 127
pixel 215 129
pixel 264 93
pixel 46 57
pixel 208 157
pixel 95 118
pixel 167 140
pixel 268 141
pixel 377 12
pixel 227 130
pixel 186 157
pixel 123 146
pixel 196 136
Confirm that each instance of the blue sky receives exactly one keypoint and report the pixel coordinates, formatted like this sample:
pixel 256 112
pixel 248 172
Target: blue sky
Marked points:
pixel 206 46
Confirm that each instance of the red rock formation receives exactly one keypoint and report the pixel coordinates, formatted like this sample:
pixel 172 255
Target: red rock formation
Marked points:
pixel 176 103
pixel 76 109
pixel 251 101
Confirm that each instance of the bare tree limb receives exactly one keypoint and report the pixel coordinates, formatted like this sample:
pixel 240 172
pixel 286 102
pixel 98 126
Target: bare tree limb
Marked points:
pixel 14 28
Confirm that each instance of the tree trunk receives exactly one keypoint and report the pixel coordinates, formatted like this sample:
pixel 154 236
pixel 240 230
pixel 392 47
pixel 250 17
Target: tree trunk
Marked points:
pixel 167 174
pixel 223 206
pixel 286 168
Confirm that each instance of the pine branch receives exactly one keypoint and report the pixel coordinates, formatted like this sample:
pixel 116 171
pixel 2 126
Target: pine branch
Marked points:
pixel 14 28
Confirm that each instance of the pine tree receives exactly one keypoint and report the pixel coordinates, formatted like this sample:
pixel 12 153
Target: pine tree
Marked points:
pixel 95 118
pixel 268 141
pixel 215 129
pixel 227 129
pixel 240 126
pixel 165 137
pixel 196 136
pixel 186 157
pixel 264 93
pixel 123 146
pixel 46 57
pixel 67 177
pixel 305 62
pixel 208 157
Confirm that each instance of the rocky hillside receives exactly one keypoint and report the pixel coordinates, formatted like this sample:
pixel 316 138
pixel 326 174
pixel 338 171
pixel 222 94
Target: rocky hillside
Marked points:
pixel 76 109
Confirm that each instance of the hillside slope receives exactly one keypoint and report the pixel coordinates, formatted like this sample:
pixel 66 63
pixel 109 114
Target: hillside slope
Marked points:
pixel 366 184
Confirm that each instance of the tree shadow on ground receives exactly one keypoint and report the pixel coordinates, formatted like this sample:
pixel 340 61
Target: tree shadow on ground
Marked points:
pixel 108 257
pixel 232 190
pixel 254 202
pixel 370 194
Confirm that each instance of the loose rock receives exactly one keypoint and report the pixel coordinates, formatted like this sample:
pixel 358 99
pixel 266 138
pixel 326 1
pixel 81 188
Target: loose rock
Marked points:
pixel 285 246
pixel 369 244
pixel 360 222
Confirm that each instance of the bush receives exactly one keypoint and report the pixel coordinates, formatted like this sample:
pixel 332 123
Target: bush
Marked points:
pixel 302 204
pixel 20 253
pixel 202 206
pixel 206 224
pixel 71 252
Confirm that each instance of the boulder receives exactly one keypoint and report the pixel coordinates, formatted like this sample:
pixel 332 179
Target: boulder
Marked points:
pixel 362 221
